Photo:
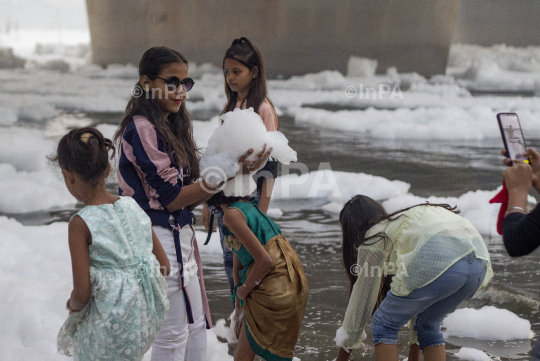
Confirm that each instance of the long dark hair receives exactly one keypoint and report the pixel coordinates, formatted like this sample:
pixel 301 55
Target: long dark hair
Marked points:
pixel 220 198
pixel 86 152
pixel 357 216
pixel 243 51
pixel 177 129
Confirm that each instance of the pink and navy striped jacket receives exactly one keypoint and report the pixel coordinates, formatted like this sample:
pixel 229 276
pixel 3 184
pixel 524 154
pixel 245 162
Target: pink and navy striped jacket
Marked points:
pixel 147 173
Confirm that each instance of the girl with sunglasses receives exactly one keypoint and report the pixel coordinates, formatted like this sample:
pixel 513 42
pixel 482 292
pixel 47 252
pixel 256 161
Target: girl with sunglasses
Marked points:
pixel 245 87
pixel 159 162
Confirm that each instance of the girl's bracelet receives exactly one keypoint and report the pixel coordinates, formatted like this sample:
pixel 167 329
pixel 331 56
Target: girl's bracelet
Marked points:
pixel 521 209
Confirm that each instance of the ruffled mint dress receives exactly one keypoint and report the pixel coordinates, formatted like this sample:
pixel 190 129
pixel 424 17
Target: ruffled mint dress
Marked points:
pixel 129 295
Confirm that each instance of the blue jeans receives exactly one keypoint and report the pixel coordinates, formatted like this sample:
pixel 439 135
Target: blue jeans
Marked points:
pixel 430 304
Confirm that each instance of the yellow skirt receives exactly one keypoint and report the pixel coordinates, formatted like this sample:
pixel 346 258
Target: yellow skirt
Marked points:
pixel 274 310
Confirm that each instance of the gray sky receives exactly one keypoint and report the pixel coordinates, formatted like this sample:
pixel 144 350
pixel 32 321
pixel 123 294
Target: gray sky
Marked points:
pixel 44 14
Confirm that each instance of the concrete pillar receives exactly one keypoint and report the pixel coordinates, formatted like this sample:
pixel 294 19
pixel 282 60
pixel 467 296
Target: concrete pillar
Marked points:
pixel 294 36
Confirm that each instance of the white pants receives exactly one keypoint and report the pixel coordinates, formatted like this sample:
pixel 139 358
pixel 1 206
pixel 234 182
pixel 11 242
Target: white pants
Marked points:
pixel 177 339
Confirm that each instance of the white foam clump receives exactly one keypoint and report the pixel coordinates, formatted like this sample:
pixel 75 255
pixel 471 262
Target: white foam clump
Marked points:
pixel 487 323
pixel 452 122
pixel 23 192
pixel 213 247
pixel 240 131
pixel 107 130
pixel 8 116
pixel 474 207
pixel 35 269
pixel 498 67
pixel 203 130
pixel 216 350
pixel 25 149
pixel 226 332
pixel 336 186
pixel 361 67
pixel 472 354
pixel 274 213
pixel 342 336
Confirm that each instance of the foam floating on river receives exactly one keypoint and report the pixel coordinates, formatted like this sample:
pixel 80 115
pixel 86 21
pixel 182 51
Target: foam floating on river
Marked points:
pixel 487 323
pixel 472 354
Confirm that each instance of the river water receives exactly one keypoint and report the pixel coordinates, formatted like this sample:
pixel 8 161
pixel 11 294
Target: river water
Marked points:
pixel 440 168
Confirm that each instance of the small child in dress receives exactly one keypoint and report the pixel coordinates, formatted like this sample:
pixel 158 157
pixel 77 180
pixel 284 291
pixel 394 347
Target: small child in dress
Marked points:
pixel 271 287
pixel 119 298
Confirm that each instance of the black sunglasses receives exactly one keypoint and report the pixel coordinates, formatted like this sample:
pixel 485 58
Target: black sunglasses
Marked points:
pixel 173 82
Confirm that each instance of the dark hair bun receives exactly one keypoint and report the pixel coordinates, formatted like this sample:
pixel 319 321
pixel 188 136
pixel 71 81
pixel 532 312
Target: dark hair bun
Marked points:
pixel 86 152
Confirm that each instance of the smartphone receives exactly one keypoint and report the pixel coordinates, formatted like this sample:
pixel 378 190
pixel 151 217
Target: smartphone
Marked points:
pixel 512 136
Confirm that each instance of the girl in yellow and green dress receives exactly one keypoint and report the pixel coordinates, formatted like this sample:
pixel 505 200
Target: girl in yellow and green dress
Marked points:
pixel 271 287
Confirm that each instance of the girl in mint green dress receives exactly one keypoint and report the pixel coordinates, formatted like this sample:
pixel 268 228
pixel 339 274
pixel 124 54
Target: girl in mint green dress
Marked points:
pixel 119 298
pixel 271 287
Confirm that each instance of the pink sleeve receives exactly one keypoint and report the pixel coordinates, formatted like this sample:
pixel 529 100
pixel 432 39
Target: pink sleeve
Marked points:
pixel 268 116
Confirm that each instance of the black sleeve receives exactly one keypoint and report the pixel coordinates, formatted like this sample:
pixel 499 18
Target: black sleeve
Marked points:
pixel 521 233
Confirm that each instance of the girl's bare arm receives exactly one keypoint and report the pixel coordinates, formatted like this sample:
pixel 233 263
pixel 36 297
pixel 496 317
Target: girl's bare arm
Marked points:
pixel 159 252
pixel 79 237
pixel 343 355
pixel 266 194
pixel 236 223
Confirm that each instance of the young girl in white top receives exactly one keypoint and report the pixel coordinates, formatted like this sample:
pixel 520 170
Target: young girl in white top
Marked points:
pixel 437 260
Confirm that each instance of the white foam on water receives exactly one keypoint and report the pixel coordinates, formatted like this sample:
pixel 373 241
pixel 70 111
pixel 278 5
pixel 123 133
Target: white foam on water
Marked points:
pixel 336 186
pixel 274 213
pixel 88 87
pixel 226 332
pixel 203 130
pixel 25 149
pixel 213 247
pixel 498 67
pixel 476 123
pixel 472 354
pixel 487 323
pixel 23 192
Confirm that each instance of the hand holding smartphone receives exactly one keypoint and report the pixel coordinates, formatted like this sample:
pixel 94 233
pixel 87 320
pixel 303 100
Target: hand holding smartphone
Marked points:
pixel 512 136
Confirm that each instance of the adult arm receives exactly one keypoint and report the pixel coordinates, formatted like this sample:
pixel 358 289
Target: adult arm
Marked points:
pixel 521 232
pixel 236 223
pixel 79 237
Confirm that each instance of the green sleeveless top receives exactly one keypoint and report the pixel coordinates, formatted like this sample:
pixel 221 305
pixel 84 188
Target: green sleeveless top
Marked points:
pixel 260 224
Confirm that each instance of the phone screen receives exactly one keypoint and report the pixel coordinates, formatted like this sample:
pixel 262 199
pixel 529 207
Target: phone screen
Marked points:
pixel 512 135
